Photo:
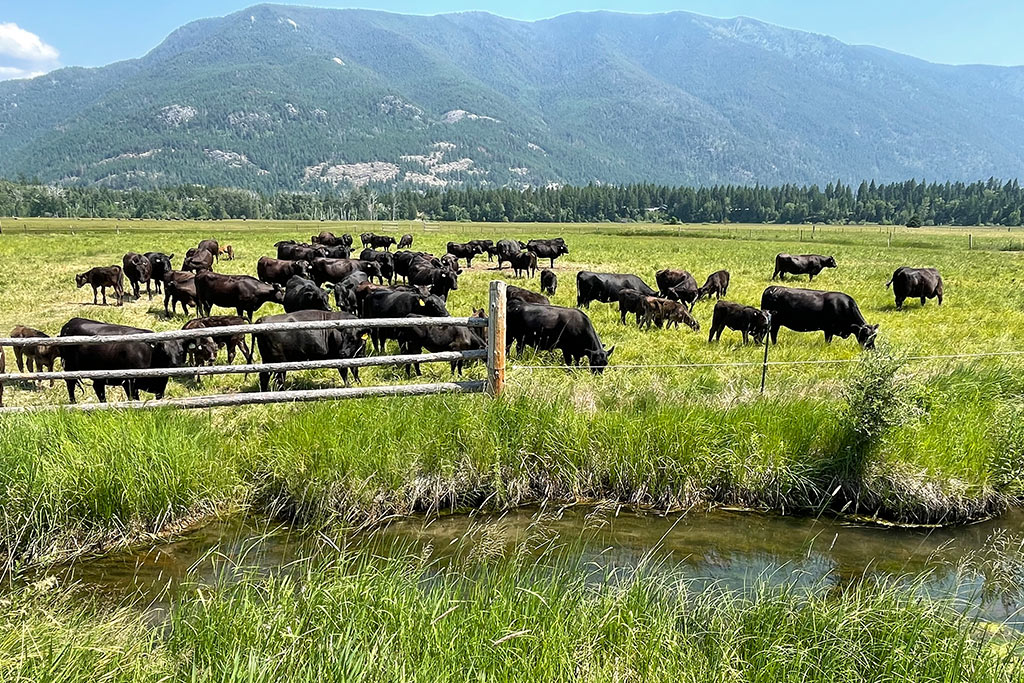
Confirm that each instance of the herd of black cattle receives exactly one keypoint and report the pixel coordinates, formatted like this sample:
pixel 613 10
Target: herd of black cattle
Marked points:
pixel 303 278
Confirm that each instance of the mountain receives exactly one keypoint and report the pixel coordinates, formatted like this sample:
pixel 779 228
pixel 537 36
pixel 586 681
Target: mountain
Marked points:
pixel 285 97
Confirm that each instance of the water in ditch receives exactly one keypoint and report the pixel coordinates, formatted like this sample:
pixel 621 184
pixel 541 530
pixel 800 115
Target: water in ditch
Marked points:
pixel 979 565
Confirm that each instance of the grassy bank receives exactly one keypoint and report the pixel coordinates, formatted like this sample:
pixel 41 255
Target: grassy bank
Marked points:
pixel 397 620
pixel 946 451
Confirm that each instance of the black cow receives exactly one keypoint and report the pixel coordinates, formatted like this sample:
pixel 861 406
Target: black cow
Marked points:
pixel 436 340
pixel 554 328
pixel 441 281
pixel 243 293
pixel 197 260
pixel 485 247
pixel 160 265
pixel 524 264
pixel 290 346
pixel 328 239
pixel 118 356
pixel 279 271
pixel 211 246
pixel 913 283
pixel 384 259
pixel 377 241
pixel 405 242
pixel 806 264
pixel 335 270
pixel 549 249
pixel 513 293
pixel 339 251
pixel 138 269
pixel 405 259
pixel 345 291
pixel 809 310
pixel 100 278
pixel 677 285
pixel 179 287
pixel 506 250
pixel 386 303
pixel 548 282
pixel 204 350
pixel 290 250
pixel 737 317
pixel 301 294
pixel 716 285
pixel 631 301
pixel 466 251
pixel 605 287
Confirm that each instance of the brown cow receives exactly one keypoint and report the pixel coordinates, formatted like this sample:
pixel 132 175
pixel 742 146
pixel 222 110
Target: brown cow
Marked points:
pixel 668 313
pixel 36 358
pixel 228 251
pixel 100 278
pixel 179 287
pixel 211 246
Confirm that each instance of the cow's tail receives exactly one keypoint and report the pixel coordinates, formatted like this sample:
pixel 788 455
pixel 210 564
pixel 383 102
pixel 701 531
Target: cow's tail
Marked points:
pixel 888 284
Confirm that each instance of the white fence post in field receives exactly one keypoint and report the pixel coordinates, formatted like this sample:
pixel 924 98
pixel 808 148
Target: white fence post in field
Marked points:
pixel 496 338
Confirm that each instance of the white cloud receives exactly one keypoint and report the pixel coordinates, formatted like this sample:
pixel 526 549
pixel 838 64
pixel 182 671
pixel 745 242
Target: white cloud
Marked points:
pixel 23 54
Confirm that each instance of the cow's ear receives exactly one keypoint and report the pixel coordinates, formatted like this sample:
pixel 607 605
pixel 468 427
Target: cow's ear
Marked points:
pixel 610 351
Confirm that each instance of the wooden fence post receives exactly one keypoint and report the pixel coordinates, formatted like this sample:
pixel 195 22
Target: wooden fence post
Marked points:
pixel 496 339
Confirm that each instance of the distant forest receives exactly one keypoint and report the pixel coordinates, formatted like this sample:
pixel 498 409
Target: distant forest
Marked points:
pixel 990 202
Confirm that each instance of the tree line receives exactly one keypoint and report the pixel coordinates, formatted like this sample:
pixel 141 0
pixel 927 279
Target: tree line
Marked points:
pixel 989 202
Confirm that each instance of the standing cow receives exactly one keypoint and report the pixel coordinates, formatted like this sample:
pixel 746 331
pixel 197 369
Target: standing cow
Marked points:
pixel 805 264
pixel 138 269
pixel 100 278
pixel 809 310
pixel 554 328
pixel 913 283
pixel 291 346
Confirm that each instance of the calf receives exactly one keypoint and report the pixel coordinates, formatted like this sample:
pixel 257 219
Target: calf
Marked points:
pixel 405 242
pixel 279 271
pixel 436 340
pixel 301 294
pixel 605 287
pixel 808 310
pixel 204 351
pixel 243 293
pixel 466 251
pixel 138 269
pixel 118 356
pixel 747 320
pixel 806 264
pixel 100 278
pixel 160 266
pixel 384 259
pixel 716 285
pixel 36 358
pixel 228 251
pixel 913 283
pixel 179 287
pixel 548 282
pixel 631 301
pixel 553 328
pixel 667 313
pixel 345 291
pixel 290 346
pixel 524 264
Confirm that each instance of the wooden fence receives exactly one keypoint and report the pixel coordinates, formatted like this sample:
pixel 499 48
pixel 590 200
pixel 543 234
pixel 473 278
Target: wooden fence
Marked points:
pixel 493 355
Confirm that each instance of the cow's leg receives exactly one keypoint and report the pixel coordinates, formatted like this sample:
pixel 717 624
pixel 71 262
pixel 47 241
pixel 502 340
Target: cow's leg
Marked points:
pixel 19 359
pixel 264 381
pixel 775 333
pixel 810 277
pixel 50 369
pixel 828 337
pixel 94 302
pixel 71 389
pixel 100 387
pixel 746 337
pixel 552 263
pixel 567 359
pixel 899 304
pixel 922 301
pixel 149 291
pixel 622 316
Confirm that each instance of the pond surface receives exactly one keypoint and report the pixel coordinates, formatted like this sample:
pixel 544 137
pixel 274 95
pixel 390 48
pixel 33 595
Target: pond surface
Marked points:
pixel 980 565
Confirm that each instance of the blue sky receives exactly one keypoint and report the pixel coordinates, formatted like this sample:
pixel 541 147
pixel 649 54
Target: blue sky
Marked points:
pixel 38 36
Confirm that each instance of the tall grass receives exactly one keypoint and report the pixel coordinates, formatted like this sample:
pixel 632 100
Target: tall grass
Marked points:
pixel 368 619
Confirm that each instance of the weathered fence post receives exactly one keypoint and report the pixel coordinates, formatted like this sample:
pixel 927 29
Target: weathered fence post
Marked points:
pixel 970 241
pixel 496 339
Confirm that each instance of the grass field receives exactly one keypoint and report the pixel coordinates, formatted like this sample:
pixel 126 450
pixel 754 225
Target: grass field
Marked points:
pixel 913 441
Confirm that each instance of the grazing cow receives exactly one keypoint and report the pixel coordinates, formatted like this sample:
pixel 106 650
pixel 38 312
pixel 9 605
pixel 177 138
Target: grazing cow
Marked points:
pixel 328 239
pixel 339 251
pixel 513 293
pixel 809 310
pixel 524 264
pixel 436 340
pixel 554 328
pixel 747 320
pixel 440 281
pixel 197 261
pixel 485 247
pixel 36 358
pixel 386 303
pixel 345 291
pixel 506 250
pixel 100 278
pixel 290 250
pixel 716 285
pixel 549 249
pixel 179 287
pixel 335 270
pixel 243 293
pixel 405 242
pixel 138 269
pixel 211 246
pixel 301 294
pixel 118 356
pixel 631 301
pixel 280 270
pixel 385 259
pixel 161 265
pixel 466 251
pixel 548 282
pixel 667 313
pixel 228 251
pixel 806 264
pixel 204 350
pixel 377 241
pixel 677 285
pixel 291 346
pixel 913 283
pixel 605 287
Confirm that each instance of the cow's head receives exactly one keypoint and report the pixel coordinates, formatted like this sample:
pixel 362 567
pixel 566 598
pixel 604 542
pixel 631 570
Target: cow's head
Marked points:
pixel 81 279
pixel 301 268
pixel 433 305
pixel 680 313
pixel 203 350
pixel 563 248
pixel 450 281
pixel 599 359
pixel 170 354
pixel 866 335
pixel 830 262
pixel 278 294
